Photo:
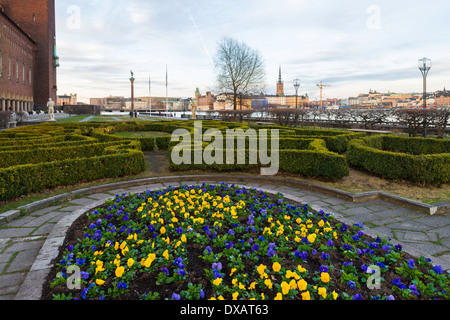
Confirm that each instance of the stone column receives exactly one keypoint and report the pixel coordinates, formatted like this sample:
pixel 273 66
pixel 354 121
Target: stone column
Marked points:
pixel 3 104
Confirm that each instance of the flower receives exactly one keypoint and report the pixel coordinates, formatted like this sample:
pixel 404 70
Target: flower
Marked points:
pixel 278 296
pixel 119 271
pixel 166 254
pixel 322 292
pixel 306 295
pixel 285 288
pixel 411 263
pixel 99 282
pixel 162 230
pixel 122 286
pixel 268 283
pixel 130 262
pixel 217 281
pixel 175 296
pixel 276 267
pixel 325 277
pixel 302 284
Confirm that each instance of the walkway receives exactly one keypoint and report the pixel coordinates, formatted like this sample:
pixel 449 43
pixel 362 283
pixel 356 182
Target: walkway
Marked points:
pixel 22 239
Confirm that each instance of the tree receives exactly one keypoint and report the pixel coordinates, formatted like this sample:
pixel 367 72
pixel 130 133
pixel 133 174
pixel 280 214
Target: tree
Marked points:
pixel 240 68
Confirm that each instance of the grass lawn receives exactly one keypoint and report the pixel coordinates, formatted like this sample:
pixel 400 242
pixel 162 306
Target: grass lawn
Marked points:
pixel 142 134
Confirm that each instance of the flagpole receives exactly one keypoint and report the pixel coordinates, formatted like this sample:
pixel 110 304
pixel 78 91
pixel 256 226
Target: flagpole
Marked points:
pixel 167 93
pixel 150 94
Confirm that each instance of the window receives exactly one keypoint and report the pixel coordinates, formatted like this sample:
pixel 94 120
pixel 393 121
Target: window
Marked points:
pixel 9 68
pixel 29 76
pixel 23 73
pixel 1 63
pixel 17 71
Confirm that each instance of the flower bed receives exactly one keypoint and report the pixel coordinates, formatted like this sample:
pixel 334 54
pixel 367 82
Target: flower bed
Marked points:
pixel 227 242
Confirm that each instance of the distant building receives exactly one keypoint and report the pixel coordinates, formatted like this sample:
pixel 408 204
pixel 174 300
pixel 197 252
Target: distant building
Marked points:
pixel 280 85
pixel 67 99
pixel 205 102
pixel 442 98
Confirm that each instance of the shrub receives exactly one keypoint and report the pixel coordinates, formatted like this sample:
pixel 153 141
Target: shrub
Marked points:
pixel 368 153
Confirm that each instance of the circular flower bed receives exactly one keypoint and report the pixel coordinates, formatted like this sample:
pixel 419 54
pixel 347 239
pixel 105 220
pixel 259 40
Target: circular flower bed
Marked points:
pixel 227 242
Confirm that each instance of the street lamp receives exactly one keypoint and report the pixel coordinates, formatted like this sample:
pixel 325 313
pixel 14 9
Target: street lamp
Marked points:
pixel 296 86
pixel 424 67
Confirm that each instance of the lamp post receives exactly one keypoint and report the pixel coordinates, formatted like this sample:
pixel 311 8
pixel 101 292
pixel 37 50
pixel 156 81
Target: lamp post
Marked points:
pixel 424 67
pixel 296 86
pixel 132 93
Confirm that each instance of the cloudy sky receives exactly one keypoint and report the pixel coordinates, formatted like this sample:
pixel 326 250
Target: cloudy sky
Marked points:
pixel 351 45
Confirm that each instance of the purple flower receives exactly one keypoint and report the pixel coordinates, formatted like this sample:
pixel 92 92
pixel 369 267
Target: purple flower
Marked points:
pixel 122 286
pixel 343 228
pixel 414 291
pixel 181 272
pixel 217 265
pixel 231 232
pixel 165 271
pixel 347 246
pixel 202 294
pixel 386 248
pixel 357 297
pixel 325 256
pixel 69 248
pixel 411 263
pixel 323 268
pixel 438 269
pixel 330 243
pixel 175 296
pixel 179 230
pixel 351 284
pixel 151 228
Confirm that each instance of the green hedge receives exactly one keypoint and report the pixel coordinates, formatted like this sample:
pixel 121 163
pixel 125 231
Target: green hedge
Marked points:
pixel 26 179
pixel 422 168
pixel 314 160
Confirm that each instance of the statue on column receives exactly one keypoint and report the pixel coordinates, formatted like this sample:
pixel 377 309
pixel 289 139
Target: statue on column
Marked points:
pixel 51 110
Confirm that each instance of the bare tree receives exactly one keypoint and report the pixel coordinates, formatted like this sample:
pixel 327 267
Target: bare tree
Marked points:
pixel 240 68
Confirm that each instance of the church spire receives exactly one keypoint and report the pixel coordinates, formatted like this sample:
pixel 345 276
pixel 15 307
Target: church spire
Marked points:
pixel 279 77
pixel 280 85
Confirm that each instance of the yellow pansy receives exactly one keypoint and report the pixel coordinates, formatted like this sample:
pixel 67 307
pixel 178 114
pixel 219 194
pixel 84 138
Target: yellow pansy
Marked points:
pixel 302 284
pixel 312 237
pixel 322 292
pixel 166 254
pixel 268 283
pixel 162 230
pixel 306 295
pixel 99 282
pixel 325 277
pixel 217 281
pixel 278 296
pixel 130 262
pixel 285 288
pixel 235 295
pixel 276 267
pixel 119 271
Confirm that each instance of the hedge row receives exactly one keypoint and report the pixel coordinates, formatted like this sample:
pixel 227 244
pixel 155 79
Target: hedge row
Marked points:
pixel 26 179
pixel 57 155
pixel 423 168
pixel 313 160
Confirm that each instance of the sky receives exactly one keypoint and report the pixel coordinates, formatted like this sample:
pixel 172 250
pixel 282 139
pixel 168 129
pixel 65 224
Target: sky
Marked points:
pixel 352 46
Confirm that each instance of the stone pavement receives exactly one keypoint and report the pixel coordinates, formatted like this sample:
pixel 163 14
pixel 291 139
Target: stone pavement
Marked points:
pixel 22 239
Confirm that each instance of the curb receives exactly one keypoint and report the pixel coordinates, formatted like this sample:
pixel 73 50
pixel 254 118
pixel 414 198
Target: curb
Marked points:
pixel 31 288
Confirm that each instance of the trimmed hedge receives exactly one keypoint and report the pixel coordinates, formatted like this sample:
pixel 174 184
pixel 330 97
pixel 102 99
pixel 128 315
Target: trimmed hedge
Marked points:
pixel 312 158
pixel 433 169
pixel 46 156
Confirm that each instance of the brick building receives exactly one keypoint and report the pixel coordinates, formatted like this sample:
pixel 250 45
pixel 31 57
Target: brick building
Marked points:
pixel 442 98
pixel 30 47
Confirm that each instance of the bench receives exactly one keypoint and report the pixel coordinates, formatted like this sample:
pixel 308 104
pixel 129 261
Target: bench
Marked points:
pixel 11 124
pixel 370 132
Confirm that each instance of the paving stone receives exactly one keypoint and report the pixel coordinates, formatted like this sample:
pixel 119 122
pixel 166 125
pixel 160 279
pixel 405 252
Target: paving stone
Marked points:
pixel 434 221
pixel 45 229
pixel 355 211
pixel 100 196
pixel 79 201
pixel 69 208
pixel 23 261
pixel 11 279
pixel 415 236
pixel 24 245
pixel 409 225
pixel 15 232
pixel 334 200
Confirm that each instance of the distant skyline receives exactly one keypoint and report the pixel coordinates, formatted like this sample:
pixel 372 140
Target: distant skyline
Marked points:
pixel 352 45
